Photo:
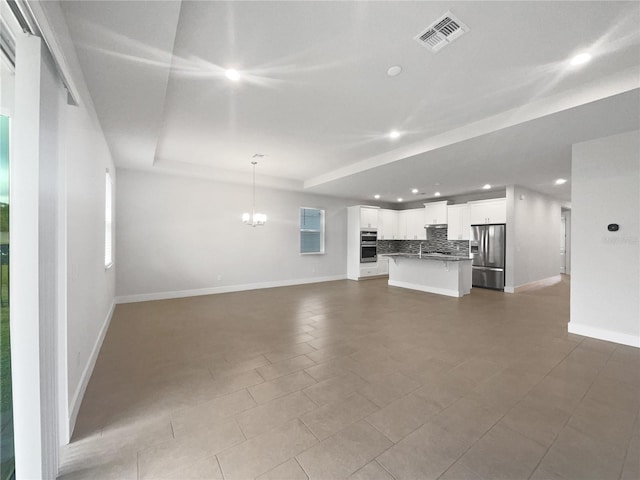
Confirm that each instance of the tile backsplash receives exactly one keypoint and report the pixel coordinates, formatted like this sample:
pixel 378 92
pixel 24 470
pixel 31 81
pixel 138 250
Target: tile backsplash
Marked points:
pixel 438 243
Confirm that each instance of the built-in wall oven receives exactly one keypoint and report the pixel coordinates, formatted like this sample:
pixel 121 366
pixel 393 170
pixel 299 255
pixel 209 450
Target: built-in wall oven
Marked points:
pixel 368 246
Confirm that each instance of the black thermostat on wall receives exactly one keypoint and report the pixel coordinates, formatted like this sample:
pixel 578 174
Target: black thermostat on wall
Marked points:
pixel 613 227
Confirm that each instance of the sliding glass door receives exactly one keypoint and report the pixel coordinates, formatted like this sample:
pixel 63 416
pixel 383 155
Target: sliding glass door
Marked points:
pixel 6 404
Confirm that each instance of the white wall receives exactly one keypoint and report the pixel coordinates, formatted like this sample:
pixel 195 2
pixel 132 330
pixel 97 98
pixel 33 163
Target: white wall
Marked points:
pixel 533 237
pixel 90 288
pixel 567 256
pixel 605 280
pixel 180 236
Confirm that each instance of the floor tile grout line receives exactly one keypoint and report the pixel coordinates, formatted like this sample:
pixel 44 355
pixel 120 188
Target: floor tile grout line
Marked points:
pixel 219 466
pixel 310 431
pixel 383 467
pixel 381 464
pixel 252 397
pixel 382 433
pixel 240 428
pixel 295 458
pixel 264 380
pixel 311 399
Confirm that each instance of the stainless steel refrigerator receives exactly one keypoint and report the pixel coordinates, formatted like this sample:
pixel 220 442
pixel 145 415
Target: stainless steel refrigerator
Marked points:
pixel 487 248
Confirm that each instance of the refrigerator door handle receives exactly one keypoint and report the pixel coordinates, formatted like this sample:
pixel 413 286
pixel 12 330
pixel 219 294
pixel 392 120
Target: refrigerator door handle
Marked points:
pixel 491 269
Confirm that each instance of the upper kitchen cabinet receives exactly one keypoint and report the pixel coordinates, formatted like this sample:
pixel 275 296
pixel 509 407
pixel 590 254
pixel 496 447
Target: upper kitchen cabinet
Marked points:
pixel 369 217
pixel 415 221
pixel 459 220
pixel 435 213
pixel 388 225
pixel 402 225
pixel 488 211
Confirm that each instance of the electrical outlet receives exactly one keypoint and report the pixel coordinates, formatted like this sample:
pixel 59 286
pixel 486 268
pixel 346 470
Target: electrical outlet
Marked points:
pixel 219 277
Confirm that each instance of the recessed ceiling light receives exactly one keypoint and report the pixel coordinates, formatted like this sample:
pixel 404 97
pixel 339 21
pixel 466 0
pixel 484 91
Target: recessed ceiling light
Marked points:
pixel 486 187
pixel 437 194
pixel 580 59
pixel 394 71
pixel 399 199
pixel 560 181
pixel 414 190
pixel 232 75
pixel 394 134
pixel 376 196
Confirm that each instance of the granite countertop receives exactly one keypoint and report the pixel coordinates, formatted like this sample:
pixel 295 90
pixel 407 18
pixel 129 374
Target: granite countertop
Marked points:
pixel 428 256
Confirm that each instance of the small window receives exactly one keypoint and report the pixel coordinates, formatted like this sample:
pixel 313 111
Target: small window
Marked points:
pixel 108 222
pixel 311 231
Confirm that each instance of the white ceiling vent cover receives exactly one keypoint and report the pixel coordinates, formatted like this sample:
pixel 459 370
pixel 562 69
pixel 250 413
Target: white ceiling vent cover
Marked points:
pixel 441 32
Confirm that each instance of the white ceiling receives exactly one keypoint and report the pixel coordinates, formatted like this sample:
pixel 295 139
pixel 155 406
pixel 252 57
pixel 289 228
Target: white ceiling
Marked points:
pixel 500 105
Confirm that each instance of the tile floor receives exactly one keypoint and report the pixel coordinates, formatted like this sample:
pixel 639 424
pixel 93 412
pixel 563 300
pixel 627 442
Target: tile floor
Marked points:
pixel 361 381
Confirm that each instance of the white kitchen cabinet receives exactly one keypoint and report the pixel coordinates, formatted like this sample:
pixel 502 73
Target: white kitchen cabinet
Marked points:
pixel 359 218
pixel 388 224
pixel 402 225
pixel 435 213
pixel 383 265
pixel 415 224
pixel 411 225
pixel 368 217
pixel 368 270
pixel 488 211
pixel 459 222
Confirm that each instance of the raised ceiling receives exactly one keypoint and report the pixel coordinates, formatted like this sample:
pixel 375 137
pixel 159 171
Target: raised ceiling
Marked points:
pixel 499 105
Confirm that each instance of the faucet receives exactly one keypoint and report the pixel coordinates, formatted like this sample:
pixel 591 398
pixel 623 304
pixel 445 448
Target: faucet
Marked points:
pixel 420 251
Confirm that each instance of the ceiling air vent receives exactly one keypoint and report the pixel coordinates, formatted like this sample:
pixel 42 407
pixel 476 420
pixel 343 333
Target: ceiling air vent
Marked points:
pixel 441 32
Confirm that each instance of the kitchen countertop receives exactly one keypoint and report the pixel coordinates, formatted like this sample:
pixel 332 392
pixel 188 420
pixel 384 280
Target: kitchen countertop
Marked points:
pixel 428 256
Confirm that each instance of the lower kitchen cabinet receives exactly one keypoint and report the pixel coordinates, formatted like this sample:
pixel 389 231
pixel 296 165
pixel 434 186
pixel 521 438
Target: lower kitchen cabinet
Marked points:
pixel 368 270
pixel 383 265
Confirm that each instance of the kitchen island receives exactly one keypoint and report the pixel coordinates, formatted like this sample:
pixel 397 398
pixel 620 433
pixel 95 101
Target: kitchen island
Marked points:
pixel 434 273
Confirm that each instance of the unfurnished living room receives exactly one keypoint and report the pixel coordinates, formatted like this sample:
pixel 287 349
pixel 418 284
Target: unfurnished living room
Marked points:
pixel 318 240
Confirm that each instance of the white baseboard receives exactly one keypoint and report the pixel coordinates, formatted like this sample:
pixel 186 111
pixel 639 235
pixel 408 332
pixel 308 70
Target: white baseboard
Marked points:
pixel 545 282
pixel 603 334
pixel 145 297
pixel 88 370
pixel 422 288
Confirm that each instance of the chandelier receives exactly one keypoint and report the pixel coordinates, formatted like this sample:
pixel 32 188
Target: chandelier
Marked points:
pixel 254 219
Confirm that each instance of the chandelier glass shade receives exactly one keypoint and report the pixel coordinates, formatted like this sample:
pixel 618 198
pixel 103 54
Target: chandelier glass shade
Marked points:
pixel 254 219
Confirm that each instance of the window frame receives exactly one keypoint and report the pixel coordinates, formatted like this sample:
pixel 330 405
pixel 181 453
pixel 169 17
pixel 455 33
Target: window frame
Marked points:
pixel 321 231
pixel 108 221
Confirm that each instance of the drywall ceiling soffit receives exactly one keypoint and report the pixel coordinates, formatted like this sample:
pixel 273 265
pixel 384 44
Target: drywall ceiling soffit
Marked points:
pixel 320 105
pixel 125 51
pixel 532 154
